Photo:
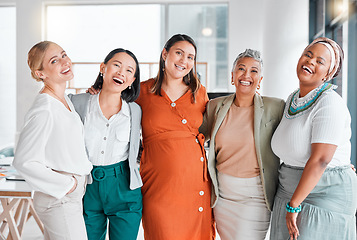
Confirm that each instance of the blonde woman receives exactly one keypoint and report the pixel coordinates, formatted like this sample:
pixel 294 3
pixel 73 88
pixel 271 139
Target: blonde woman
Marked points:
pixel 50 153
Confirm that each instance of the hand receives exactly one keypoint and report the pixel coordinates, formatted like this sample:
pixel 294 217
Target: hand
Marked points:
pixel 74 186
pixel 93 91
pixel 291 224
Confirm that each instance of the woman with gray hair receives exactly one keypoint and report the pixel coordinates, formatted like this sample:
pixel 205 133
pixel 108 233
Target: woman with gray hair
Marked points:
pixel 242 166
pixel 316 197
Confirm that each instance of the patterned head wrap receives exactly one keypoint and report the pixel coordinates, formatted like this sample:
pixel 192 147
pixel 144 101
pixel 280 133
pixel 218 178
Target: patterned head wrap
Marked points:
pixel 336 56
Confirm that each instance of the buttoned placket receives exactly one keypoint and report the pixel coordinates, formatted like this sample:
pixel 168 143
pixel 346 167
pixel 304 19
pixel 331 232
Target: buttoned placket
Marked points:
pixel 184 121
pixel 174 106
pixel 201 193
pixel 104 143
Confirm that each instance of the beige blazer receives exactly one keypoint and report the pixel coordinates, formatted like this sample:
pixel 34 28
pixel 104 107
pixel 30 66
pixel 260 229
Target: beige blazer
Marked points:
pixel 267 115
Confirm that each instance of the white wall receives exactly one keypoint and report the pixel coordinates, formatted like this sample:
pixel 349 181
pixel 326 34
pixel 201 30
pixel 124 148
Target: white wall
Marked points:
pixel 28 32
pixel 285 34
pixel 278 28
pixel 7 76
pixel 245 29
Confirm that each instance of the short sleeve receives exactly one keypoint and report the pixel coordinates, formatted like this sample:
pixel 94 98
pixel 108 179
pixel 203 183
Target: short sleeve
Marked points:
pixel 205 128
pixel 143 91
pixel 330 120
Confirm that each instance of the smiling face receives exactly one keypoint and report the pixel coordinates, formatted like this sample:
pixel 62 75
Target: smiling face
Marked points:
pixel 246 76
pixel 57 66
pixel 313 65
pixel 118 72
pixel 179 60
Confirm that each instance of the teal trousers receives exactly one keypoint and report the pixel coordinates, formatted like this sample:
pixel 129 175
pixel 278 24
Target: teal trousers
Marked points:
pixel 110 198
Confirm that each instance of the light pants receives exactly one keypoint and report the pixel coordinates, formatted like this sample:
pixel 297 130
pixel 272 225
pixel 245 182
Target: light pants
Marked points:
pixel 62 218
pixel 241 212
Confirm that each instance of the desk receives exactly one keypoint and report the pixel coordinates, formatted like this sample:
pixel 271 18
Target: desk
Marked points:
pixel 17 204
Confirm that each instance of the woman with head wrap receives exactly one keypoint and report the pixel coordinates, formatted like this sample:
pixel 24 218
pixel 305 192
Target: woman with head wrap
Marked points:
pixel 316 197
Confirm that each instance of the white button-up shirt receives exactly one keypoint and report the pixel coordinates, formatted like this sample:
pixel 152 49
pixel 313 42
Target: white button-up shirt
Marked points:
pixel 107 140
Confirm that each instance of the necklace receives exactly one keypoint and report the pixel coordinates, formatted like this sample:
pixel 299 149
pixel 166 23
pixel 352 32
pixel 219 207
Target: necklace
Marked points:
pixel 296 108
pixel 63 101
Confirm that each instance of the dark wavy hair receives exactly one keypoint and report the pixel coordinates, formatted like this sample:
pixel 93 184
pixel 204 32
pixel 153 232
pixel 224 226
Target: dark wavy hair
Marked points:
pixel 190 79
pixel 129 95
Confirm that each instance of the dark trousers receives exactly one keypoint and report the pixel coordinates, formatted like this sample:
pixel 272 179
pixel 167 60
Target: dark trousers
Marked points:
pixel 110 198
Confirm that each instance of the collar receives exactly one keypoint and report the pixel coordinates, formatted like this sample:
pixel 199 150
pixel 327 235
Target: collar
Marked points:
pixel 125 110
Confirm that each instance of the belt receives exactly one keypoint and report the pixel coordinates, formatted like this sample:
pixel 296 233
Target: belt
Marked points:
pixel 99 173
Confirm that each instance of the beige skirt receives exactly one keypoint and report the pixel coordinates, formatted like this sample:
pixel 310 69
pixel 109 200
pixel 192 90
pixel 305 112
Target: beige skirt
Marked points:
pixel 241 212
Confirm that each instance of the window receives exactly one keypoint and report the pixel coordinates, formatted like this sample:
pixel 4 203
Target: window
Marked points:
pixel 7 75
pixel 207 25
pixel 92 31
pixel 337 19
pixel 328 18
pixel 89 32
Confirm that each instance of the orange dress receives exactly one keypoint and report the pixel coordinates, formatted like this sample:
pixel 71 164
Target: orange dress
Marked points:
pixel 177 189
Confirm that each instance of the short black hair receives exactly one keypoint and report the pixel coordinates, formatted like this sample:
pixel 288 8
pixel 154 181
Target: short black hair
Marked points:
pixel 129 95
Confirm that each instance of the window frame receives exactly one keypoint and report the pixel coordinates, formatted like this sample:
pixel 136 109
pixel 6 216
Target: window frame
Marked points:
pixel 165 26
pixel 333 26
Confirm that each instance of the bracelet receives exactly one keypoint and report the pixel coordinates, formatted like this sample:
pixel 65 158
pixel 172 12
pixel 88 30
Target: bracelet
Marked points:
pixel 293 210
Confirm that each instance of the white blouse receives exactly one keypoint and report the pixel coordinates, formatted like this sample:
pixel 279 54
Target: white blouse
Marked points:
pixel 51 141
pixel 326 121
pixel 107 140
